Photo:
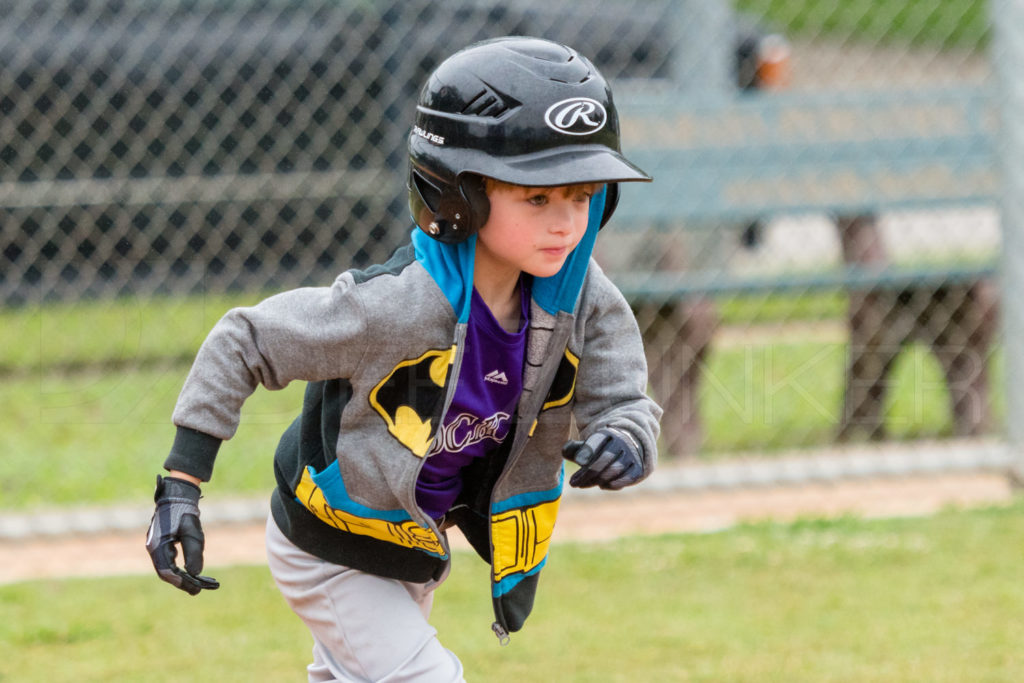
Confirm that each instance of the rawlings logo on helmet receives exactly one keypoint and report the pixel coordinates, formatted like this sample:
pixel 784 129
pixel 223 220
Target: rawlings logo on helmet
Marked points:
pixel 576 116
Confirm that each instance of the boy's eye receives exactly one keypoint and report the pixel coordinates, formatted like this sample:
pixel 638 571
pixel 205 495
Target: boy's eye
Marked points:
pixel 538 199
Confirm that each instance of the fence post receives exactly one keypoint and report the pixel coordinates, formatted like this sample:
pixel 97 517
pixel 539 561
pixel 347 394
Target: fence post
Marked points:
pixel 1007 55
pixel 705 32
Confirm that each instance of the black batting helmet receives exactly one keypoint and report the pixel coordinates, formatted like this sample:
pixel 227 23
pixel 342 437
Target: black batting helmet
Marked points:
pixel 521 110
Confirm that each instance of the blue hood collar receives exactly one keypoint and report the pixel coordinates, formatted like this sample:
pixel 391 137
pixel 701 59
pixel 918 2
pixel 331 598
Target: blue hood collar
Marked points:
pixel 451 266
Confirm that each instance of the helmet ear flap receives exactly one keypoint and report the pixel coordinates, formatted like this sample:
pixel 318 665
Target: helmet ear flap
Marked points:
pixel 449 213
pixel 611 200
pixel 473 189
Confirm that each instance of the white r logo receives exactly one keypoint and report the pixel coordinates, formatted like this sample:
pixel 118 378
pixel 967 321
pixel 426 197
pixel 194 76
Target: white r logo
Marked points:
pixel 576 116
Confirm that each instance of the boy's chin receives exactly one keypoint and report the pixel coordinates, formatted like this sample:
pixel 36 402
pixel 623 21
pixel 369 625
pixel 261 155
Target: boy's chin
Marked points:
pixel 546 270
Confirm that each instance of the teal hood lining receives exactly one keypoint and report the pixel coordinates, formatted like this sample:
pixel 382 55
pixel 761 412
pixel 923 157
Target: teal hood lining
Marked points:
pixel 451 266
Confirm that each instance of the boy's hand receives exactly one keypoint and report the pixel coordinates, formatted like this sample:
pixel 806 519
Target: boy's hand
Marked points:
pixel 176 520
pixel 609 459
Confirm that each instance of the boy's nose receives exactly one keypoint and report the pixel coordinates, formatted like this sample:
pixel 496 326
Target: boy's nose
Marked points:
pixel 563 219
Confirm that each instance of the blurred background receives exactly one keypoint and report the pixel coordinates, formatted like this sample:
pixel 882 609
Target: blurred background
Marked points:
pixel 816 269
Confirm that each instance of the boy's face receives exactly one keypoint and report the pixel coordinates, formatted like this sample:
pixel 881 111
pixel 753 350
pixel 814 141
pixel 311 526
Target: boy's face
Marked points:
pixel 532 229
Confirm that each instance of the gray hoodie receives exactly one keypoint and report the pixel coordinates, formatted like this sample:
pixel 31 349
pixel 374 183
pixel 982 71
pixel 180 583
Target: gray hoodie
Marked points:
pixel 381 350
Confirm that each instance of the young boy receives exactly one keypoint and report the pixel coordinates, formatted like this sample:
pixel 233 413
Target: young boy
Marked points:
pixel 443 384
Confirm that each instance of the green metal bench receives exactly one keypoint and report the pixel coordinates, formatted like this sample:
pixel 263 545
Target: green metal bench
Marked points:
pixel 851 155
pixel 754 156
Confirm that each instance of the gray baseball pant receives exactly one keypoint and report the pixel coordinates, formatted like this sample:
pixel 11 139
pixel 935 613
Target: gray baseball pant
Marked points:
pixel 365 627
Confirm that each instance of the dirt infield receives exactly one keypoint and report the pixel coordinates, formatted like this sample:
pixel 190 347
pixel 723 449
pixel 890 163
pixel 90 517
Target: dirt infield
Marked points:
pixel 585 518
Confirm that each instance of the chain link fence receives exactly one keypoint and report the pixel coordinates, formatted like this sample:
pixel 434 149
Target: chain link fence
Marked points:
pixel 187 148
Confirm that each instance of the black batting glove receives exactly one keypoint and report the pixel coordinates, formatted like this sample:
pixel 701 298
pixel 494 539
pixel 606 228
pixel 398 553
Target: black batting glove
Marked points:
pixel 176 520
pixel 609 459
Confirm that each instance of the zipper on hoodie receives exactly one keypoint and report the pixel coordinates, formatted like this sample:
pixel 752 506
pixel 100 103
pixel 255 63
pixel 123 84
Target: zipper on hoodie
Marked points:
pixel 519 439
pixel 522 435
pixel 503 637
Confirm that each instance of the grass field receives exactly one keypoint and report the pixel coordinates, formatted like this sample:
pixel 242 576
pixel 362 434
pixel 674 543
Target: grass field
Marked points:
pixel 922 599
pixel 104 434
pixel 946 23
pixel 89 389
pixel 132 331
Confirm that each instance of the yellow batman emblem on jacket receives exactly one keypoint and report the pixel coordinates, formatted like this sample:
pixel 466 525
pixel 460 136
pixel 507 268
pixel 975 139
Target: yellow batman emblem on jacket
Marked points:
pixel 563 388
pixel 411 396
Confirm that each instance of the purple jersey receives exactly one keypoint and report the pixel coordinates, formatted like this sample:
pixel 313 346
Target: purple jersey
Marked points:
pixel 481 412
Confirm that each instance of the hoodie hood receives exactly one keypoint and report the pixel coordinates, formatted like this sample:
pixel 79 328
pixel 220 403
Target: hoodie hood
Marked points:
pixel 451 266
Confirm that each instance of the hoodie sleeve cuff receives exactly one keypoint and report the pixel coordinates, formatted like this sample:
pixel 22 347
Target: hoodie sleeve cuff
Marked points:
pixel 193 452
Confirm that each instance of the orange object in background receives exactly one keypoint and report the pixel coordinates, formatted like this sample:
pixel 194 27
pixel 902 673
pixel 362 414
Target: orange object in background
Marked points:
pixel 773 62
